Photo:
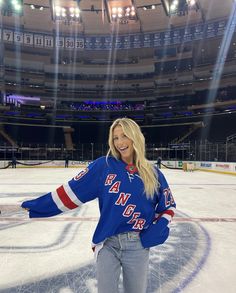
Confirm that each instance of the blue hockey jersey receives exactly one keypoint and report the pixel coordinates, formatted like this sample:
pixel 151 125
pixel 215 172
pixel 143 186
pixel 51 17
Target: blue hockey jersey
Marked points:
pixel 122 202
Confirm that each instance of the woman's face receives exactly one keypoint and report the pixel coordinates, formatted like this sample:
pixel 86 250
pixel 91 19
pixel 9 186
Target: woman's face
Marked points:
pixel 123 144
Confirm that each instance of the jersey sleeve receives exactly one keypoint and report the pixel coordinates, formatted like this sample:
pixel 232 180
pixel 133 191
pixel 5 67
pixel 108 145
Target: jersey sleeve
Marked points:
pixel 158 231
pixel 82 188
pixel 166 204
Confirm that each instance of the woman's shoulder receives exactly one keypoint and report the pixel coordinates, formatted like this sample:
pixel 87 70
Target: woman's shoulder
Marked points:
pixel 158 172
pixel 105 160
pixel 99 161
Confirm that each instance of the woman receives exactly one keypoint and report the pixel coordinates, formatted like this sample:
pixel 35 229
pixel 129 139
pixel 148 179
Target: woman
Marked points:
pixel 135 204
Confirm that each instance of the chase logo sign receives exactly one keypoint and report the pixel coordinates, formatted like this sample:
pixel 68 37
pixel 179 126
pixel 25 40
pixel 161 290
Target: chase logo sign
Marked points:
pixel 206 165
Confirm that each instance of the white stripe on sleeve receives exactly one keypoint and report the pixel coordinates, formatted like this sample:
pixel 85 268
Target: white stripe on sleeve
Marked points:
pixel 58 202
pixel 72 195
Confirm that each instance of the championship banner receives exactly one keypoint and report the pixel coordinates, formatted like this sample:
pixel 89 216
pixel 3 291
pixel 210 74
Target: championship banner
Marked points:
pixel 167 38
pixel 176 39
pixel 210 32
pixel 118 43
pixel 108 43
pixel 157 40
pixel 199 32
pixel 126 42
pixel 220 28
pixel 147 40
pixel 98 43
pixel 187 35
pixel 137 42
pixel 87 42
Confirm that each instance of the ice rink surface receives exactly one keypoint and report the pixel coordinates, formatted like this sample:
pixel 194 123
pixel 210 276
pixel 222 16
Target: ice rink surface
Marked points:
pixel 54 255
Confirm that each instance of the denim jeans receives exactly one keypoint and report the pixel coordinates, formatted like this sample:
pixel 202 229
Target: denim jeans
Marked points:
pixel 123 253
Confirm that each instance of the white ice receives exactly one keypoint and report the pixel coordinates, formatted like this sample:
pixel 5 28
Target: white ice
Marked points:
pixel 55 255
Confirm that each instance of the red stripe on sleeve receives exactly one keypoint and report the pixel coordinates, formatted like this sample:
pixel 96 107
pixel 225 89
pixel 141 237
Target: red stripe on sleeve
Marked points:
pixel 168 212
pixel 65 198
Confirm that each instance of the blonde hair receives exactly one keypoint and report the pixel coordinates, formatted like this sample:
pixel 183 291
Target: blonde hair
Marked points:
pixel 145 168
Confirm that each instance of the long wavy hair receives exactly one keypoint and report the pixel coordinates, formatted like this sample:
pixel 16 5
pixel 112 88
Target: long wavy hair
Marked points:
pixel 145 168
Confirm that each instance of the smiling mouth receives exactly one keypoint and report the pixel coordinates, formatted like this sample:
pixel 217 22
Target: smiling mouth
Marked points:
pixel 123 149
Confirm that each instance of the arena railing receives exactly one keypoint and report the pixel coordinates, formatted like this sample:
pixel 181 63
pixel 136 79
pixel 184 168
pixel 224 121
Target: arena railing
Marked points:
pixel 192 151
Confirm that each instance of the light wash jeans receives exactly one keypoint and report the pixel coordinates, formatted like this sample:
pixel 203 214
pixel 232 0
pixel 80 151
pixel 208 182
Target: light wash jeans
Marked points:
pixel 123 251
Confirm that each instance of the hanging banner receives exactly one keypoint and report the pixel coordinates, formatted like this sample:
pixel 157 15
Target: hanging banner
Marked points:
pixel 69 43
pixel 148 40
pixel 48 42
pixel 8 36
pixel 79 43
pixel 28 39
pixel 60 42
pixel 18 38
pixel 38 41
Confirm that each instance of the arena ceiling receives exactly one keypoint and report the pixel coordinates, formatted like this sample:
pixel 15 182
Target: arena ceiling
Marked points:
pixel 96 15
pixel 39 16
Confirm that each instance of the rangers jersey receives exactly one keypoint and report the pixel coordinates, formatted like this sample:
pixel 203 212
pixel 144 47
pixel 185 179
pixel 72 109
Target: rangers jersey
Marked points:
pixel 123 204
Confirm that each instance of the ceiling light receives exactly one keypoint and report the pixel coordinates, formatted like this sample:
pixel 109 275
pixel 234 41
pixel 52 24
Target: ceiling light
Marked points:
pixel 173 7
pixel 122 14
pixel 17 7
pixel 191 2
pixel 67 14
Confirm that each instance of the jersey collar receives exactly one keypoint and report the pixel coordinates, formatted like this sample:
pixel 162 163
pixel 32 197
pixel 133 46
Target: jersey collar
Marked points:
pixel 131 168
